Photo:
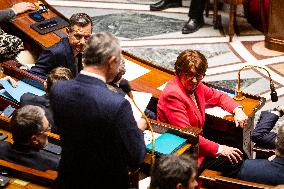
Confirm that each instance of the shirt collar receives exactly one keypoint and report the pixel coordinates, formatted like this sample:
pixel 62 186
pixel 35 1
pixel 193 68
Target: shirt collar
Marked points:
pixel 93 75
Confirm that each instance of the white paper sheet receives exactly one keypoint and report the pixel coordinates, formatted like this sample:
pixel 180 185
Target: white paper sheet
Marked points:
pixel 148 136
pixel 162 86
pixel 133 71
pixel 144 183
pixel 217 111
pixel 142 100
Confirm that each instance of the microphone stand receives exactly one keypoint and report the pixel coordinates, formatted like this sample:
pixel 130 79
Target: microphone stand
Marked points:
pixel 149 125
pixel 239 96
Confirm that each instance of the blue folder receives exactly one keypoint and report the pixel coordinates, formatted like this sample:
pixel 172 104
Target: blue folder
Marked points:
pixel 167 143
pixel 16 93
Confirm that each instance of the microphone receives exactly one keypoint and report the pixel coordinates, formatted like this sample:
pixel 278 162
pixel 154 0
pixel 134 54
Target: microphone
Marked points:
pixel 240 96
pixel 125 86
pixel 273 94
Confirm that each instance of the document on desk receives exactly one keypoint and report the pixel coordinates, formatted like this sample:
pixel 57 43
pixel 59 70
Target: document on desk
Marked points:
pixel 142 100
pixel 148 136
pixel 22 88
pixel 217 111
pixel 133 71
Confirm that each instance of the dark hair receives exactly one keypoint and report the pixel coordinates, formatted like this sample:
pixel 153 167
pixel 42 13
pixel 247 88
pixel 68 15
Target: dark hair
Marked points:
pixel 79 19
pixel 280 140
pixel 100 47
pixel 26 122
pixel 57 74
pixel 189 59
pixel 169 170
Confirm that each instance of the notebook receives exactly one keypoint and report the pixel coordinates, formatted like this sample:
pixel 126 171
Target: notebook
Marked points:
pixel 167 143
pixel 22 88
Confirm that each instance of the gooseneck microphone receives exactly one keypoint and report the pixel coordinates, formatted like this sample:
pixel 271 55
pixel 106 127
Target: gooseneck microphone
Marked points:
pixel 240 96
pixel 125 86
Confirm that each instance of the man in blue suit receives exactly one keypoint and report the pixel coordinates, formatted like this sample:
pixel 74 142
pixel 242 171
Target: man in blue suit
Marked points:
pixel 262 135
pixel 100 137
pixel 30 128
pixel 266 171
pixel 68 51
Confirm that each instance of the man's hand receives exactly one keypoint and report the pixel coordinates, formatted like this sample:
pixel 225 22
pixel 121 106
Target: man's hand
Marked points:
pixel 23 7
pixel 234 155
pixel 142 124
pixel 240 117
pixel 272 157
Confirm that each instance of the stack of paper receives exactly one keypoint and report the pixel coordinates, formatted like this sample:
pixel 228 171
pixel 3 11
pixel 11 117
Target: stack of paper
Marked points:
pixel 16 93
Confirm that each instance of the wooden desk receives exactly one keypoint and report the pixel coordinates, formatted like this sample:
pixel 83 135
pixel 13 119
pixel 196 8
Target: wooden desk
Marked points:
pixel 214 180
pixel 23 22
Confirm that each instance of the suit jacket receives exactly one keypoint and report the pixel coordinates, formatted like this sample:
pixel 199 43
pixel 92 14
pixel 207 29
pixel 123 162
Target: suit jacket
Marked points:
pixel 7 15
pixel 28 156
pixel 261 135
pixel 100 137
pixel 43 102
pixel 263 171
pixel 177 108
pixel 55 56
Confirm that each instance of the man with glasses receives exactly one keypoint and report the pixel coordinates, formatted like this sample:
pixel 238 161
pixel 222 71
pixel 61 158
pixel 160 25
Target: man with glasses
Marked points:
pixel 29 127
pixel 68 51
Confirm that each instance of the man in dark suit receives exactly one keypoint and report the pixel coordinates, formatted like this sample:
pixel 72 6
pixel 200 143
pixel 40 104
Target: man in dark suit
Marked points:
pixel 30 134
pixel 100 137
pixel 195 13
pixel 57 74
pixel 262 135
pixel 68 51
pixel 266 171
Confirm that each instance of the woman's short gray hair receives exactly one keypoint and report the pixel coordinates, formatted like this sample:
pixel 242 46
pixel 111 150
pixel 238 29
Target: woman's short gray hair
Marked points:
pixel 100 47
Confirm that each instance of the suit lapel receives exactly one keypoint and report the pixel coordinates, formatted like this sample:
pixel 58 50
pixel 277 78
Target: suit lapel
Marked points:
pixel 196 110
pixel 70 59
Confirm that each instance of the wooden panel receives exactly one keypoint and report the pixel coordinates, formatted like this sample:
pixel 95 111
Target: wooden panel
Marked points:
pixel 274 39
pixel 23 22
pixel 214 180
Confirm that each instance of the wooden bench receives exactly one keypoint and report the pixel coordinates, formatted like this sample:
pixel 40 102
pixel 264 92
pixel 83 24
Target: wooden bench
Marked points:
pixel 44 178
pixel 214 180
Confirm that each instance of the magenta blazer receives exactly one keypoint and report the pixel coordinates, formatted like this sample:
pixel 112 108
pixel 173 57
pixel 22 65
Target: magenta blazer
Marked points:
pixel 177 108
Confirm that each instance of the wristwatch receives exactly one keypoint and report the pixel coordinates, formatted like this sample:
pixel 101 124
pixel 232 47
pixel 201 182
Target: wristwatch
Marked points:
pixel 278 109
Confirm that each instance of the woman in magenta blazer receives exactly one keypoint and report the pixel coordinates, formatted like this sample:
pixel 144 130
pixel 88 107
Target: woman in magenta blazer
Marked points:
pixel 182 103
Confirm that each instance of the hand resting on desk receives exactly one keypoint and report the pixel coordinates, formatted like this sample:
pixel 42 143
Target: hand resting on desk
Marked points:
pixel 22 7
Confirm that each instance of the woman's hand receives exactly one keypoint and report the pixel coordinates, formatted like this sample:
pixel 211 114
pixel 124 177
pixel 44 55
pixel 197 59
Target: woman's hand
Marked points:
pixel 240 117
pixel 234 155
